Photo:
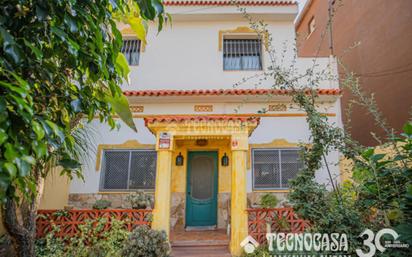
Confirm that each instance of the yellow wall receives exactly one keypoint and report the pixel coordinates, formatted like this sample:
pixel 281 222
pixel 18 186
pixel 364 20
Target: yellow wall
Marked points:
pixel 56 191
pixel 179 172
pixel 55 194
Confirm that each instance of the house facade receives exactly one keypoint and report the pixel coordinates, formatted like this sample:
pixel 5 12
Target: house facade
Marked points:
pixel 204 147
pixel 364 35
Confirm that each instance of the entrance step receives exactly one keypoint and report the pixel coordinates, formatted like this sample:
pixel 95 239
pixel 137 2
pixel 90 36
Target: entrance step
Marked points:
pixel 200 250
pixel 200 243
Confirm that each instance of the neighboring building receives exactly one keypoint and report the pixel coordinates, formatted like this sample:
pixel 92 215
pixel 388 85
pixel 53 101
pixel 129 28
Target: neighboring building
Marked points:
pixel 202 146
pixel 373 38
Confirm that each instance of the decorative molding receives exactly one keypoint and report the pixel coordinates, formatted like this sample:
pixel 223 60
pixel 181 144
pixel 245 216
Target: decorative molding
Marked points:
pixel 277 108
pixel 240 115
pixel 129 33
pixel 243 30
pixel 276 143
pixel 129 144
pixel 203 108
pixel 137 108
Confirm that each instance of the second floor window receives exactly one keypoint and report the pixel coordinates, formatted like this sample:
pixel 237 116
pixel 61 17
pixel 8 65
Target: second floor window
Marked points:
pixel 242 54
pixel 131 49
pixel 128 170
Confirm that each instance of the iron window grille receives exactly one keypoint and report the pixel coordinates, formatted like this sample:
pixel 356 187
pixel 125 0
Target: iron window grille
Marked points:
pixel 131 50
pixel 242 54
pixel 128 170
pixel 273 168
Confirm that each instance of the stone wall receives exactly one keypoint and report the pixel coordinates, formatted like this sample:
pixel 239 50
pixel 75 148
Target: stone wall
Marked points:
pixel 253 198
pixel 86 201
pixel 177 209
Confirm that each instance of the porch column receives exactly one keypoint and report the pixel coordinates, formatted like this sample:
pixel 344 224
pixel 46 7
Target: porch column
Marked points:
pixel 239 226
pixel 161 213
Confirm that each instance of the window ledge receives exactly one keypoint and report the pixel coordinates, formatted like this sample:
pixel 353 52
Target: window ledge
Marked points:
pixel 271 190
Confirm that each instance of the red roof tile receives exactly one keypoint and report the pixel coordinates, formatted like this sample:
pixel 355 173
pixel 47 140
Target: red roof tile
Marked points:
pixel 176 118
pixel 227 2
pixel 221 92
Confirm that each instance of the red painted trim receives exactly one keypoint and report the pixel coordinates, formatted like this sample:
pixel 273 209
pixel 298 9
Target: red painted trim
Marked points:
pixel 173 118
pixel 227 3
pixel 221 92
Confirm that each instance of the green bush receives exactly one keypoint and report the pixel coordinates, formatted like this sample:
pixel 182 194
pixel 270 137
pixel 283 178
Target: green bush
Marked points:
pixel 145 242
pixel 140 200
pixel 92 241
pixel 269 201
pixel 102 204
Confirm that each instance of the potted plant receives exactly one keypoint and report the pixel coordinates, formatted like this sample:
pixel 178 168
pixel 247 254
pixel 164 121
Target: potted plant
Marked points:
pixel 140 200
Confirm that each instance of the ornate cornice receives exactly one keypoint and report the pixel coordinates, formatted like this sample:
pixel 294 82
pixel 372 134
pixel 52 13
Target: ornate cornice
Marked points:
pixel 242 31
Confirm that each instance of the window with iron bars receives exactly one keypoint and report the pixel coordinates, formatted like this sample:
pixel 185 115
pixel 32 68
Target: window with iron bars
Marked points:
pixel 242 54
pixel 131 50
pixel 273 168
pixel 128 170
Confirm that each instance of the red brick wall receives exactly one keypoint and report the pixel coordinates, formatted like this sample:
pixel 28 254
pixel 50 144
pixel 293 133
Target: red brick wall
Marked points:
pixel 382 59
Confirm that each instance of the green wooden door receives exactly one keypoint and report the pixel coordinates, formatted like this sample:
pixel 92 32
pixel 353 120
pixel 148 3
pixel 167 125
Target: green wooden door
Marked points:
pixel 201 190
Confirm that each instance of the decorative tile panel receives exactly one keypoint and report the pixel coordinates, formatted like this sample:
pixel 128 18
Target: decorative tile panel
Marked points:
pixel 203 108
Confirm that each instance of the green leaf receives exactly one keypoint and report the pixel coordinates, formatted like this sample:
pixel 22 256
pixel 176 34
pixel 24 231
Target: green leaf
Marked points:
pixel 11 169
pixel 37 128
pixel 23 167
pixel 121 107
pixel 407 128
pixel 13 88
pixel 137 25
pixel 122 66
pixel 39 148
pixel 70 164
pixel 368 153
pixel 3 136
pixel 10 152
pixel 36 51
pixel 56 130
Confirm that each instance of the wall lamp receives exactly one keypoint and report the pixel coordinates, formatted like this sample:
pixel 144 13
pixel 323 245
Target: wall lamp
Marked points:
pixel 225 160
pixel 179 160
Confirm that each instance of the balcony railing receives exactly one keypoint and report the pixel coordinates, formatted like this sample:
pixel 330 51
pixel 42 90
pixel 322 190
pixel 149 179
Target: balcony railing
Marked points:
pixel 277 219
pixel 68 221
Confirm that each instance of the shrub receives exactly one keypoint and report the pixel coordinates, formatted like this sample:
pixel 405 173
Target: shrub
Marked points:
pixel 269 201
pixel 102 204
pixel 140 200
pixel 146 242
pixel 91 241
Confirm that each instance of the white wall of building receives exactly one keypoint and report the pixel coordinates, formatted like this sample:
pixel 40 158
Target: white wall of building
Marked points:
pixel 187 56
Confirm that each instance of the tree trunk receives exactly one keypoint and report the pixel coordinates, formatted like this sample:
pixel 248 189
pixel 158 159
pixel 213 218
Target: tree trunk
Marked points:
pixel 23 230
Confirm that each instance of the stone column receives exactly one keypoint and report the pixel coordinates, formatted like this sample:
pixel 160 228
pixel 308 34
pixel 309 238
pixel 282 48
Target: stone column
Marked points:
pixel 161 212
pixel 239 226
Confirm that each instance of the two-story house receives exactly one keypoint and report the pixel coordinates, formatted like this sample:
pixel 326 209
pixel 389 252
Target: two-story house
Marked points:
pixel 203 146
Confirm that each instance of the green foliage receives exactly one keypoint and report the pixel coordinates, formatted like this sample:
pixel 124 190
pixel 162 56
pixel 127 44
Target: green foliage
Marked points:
pixel 140 200
pixel 92 241
pixel 102 204
pixel 269 201
pixel 260 251
pixel 60 61
pixel 145 242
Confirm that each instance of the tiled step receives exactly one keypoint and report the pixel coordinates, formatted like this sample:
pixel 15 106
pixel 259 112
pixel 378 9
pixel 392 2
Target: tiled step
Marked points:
pixel 201 251
pixel 204 248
